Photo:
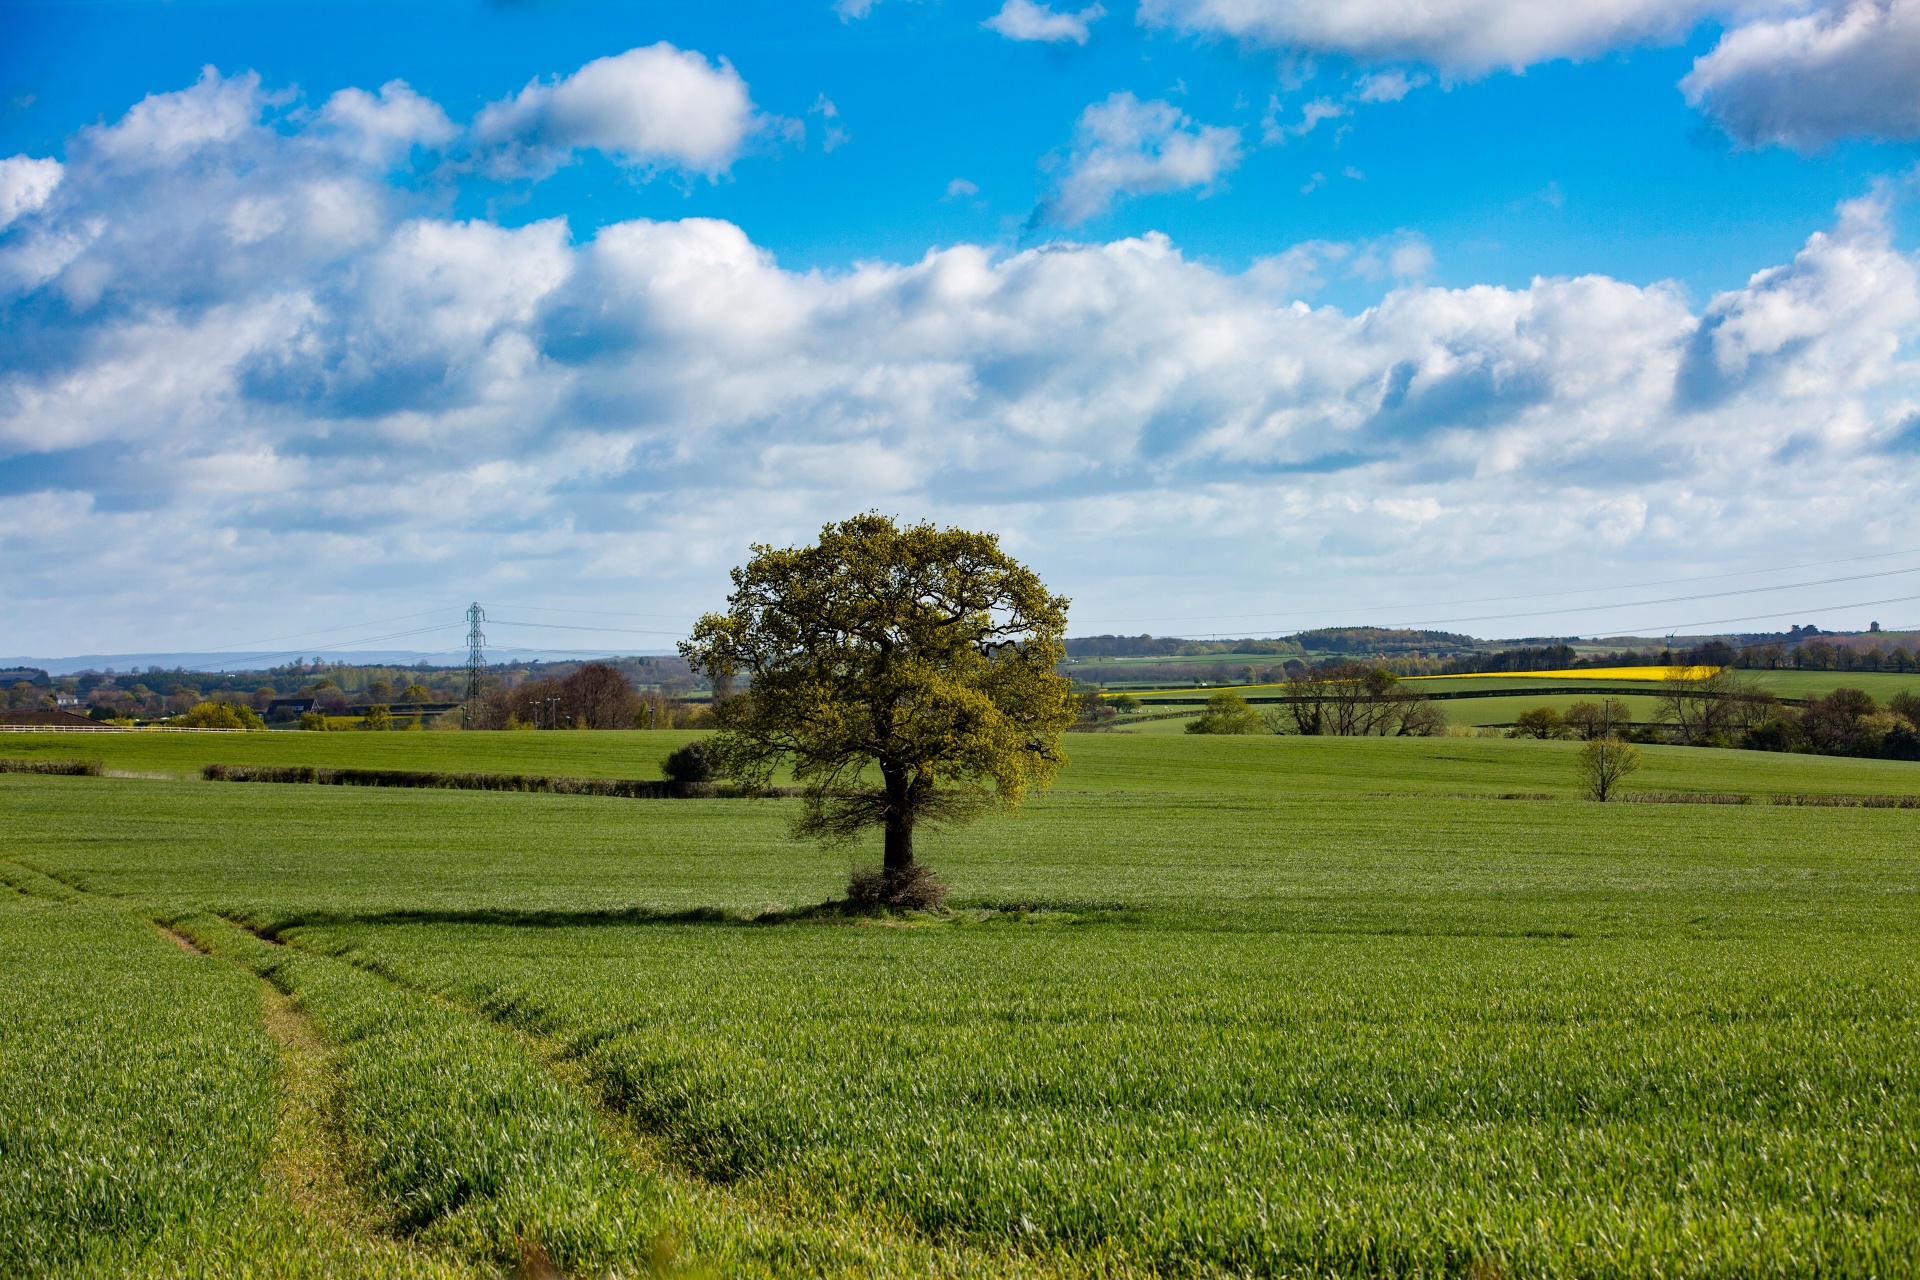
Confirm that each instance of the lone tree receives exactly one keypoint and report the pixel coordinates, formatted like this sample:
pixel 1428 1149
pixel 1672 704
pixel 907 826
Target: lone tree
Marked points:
pixel 1604 762
pixel 906 673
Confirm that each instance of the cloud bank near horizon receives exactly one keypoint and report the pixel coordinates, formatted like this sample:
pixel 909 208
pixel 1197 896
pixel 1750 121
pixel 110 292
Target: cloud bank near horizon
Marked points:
pixel 245 366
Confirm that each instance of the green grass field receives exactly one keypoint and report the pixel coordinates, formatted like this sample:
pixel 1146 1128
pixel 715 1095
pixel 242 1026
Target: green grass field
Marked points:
pixel 587 753
pixel 1251 1006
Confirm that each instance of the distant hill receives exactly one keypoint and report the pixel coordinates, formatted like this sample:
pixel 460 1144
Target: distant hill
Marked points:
pixel 1370 641
pixel 213 661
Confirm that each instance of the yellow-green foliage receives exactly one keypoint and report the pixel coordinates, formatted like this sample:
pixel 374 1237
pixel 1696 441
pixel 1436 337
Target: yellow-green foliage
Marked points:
pixel 219 715
pixel 926 655
pixel 1228 712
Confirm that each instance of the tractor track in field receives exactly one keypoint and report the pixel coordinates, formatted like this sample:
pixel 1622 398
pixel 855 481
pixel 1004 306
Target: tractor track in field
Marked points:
pixel 179 940
pixel 308 1158
pixel 646 1150
pixel 307 1161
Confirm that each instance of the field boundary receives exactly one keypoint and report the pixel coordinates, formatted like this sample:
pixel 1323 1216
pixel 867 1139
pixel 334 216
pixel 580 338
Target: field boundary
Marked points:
pixel 1150 698
pixel 1818 801
pixel 622 788
pixel 58 768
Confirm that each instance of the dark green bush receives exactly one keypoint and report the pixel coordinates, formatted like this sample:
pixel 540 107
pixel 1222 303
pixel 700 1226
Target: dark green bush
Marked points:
pixel 691 763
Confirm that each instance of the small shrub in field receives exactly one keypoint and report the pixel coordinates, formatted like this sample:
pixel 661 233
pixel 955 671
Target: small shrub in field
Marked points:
pixel 316 721
pixel 691 763
pixel 1541 722
pixel 1228 712
pixel 220 715
pixel 908 888
pixel 1603 763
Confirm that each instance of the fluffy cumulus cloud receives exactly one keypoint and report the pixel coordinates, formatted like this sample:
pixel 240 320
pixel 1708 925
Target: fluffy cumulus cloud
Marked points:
pixel 1025 20
pixel 1808 80
pixel 657 107
pixel 386 126
pixel 25 185
pixel 244 365
pixel 1126 147
pixel 1462 36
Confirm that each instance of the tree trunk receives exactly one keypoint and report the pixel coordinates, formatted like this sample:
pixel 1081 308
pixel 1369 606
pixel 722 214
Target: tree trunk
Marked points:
pixel 898 854
pixel 899 845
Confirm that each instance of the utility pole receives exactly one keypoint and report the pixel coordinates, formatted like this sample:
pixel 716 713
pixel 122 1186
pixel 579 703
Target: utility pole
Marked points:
pixel 476 660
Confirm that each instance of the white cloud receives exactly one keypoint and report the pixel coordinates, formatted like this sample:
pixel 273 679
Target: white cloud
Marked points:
pixel 1808 81
pixel 1304 269
pixel 1312 116
pixel 1833 319
pixel 655 107
pixel 961 187
pixel 1387 86
pixel 1798 73
pixel 162 126
pixel 1025 20
pixel 1459 36
pixel 1123 146
pixel 26 184
pixel 382 128
pixel 259 372
pixel 1380 86
pixel 834 133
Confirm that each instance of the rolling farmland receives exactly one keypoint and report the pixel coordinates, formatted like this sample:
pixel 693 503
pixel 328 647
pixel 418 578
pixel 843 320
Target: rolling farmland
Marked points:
pixel 1480 700
pixel 1255 1005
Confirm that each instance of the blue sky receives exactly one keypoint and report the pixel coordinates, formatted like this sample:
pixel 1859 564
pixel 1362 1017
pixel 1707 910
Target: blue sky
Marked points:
pixel 1239 315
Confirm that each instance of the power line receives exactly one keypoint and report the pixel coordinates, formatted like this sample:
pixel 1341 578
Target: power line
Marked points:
pixel 1703 595
pixel 563 626
pixel 323 631
pixel 1530 595
pixel 599 613
pixel 343 644
pixel 1785 613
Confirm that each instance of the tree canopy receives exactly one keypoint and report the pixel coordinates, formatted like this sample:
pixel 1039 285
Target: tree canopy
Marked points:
pixel 906 673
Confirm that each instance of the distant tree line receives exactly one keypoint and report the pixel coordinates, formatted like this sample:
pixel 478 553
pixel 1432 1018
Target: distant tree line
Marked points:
pixel 337 690
pixel 1345 700
pixel 1725 709
pixel 1145 646
pixel 1370 641
pixel 1850 654
pixel 1384 642
pixel 594 696
pixel 1353 700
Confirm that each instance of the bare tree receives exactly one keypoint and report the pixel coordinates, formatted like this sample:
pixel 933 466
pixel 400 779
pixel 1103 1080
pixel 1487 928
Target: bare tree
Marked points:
pixel 597 696
pixel 1307 703
pixel 1592 719
pixel 1712 706
pixel 1354 700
